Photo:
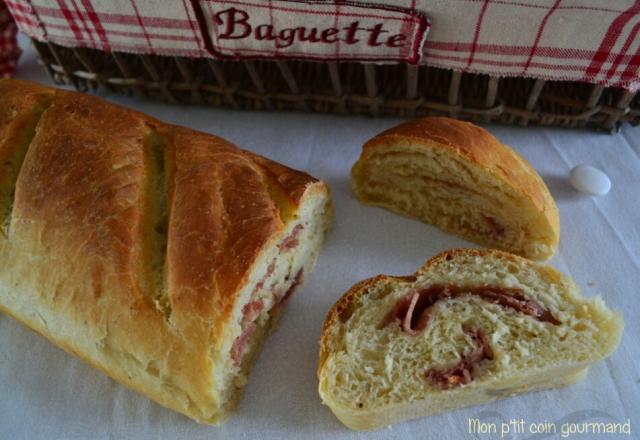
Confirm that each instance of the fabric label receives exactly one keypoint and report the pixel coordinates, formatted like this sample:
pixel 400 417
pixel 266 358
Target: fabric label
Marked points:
pixel 315 30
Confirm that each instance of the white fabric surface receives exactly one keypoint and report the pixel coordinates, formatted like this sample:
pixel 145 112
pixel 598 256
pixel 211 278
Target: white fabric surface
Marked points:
pixel 48 394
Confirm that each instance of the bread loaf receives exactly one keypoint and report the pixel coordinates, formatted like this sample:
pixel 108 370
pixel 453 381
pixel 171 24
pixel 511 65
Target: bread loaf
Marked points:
pixel 460 178
pixel 158 254
pixel 469 327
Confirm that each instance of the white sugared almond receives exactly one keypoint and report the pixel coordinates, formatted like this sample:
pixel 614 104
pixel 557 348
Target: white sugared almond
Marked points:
pixel 590 180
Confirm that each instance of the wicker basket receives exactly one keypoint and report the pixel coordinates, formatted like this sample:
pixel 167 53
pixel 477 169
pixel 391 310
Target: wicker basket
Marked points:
pixel 343 88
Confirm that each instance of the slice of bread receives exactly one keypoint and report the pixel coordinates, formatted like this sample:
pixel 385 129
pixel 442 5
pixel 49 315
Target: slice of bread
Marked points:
pixel 458 177
pixel 471 326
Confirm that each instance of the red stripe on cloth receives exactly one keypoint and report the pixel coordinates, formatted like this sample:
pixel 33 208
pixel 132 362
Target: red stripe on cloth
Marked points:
pixel 139 18
pixel 408 28
pixel 131 34
pixel 97 25
pixel 307 56
pixel 81 16
pixel 539 35
pixel 9 50
pixel 476 33
pixel 23 19
pixel 19 7
pixel 413 8
pixel 70 19
pixel 618 60
pixel 199 13
pixel 631 70
pixel 520 51
pixel 335 24
pixel 501 49
pixel 531 5
pixel 276 50
pixel 133 48
pixel 30 21
pixel 496 63
pixel 610 39
pixel 173 23
pixel 192 24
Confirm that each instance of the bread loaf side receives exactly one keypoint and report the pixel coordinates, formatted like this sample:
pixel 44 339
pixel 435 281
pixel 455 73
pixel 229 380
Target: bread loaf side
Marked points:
pixel 158 254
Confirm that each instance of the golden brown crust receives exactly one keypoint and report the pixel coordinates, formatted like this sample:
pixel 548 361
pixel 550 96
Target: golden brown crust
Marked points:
pixel 478 146
pixel 139 232
pixel 221 218
pixel 292 182
pixel 18 117
pixel 17 106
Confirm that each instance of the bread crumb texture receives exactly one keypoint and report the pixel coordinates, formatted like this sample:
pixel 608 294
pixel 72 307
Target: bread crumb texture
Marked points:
pixel 373 373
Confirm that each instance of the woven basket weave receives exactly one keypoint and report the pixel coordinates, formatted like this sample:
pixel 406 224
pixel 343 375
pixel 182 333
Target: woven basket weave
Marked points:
pixel 344 88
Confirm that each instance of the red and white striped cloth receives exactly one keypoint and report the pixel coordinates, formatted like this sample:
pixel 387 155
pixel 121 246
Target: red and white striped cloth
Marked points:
pixel 576 40
pixel 9 51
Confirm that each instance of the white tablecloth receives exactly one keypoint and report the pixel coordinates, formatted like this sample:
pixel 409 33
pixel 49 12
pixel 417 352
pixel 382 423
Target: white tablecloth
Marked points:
pixel 48 394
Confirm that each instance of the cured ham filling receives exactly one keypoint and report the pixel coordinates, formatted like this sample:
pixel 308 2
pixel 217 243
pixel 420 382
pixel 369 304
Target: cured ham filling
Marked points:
pixel 413 310
pixel 412 313
pixel 279 295
pixel 292 239
pixel 462 372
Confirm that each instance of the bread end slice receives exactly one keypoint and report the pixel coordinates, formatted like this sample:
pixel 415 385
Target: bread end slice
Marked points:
pixel 458 177
pixel 486 325
pixel 283 268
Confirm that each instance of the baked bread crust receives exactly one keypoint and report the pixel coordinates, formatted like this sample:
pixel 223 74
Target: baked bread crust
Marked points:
pixel 474 147
pixel 133 243
pixel 375 412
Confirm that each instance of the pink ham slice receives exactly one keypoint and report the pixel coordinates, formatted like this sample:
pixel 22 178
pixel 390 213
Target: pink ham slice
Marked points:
pixel 240 344
pixel 281 299
pixel 412 313
pixel 413 310
pixel 463 372
pixel 253 309
pixel 292 240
